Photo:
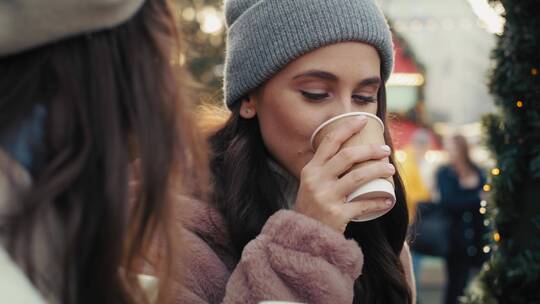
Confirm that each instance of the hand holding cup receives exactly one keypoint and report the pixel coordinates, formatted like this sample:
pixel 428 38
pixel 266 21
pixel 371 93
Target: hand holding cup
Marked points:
pixel 329 179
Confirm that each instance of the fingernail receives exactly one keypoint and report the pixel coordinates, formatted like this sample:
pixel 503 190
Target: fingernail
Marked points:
pixel 388 202
pixel 390 167
pixel 386 148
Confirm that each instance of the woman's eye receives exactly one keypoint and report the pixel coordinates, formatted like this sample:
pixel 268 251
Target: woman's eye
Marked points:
pixel 362 98
pixel 315 96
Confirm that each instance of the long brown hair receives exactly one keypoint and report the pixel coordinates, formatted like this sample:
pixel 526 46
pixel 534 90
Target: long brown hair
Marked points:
pixel 110 96
pixel 462 148
pixel 247 193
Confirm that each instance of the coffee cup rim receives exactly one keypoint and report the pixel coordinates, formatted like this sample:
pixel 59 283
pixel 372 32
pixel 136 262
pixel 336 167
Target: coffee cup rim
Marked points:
pixel 329 121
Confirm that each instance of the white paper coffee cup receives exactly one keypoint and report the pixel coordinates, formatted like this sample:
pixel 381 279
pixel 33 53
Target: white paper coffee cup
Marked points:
pixel 373 133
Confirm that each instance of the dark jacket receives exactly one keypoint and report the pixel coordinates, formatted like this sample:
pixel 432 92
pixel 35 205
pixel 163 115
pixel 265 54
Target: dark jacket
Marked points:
pixel 467 233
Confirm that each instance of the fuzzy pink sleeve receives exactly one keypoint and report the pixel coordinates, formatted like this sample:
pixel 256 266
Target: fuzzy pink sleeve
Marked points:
pixel 296 258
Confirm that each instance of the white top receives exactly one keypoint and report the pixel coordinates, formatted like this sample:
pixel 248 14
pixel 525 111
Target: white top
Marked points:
pixel 15 288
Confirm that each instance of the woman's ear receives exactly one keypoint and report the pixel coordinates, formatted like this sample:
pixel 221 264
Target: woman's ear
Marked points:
pixel 247 109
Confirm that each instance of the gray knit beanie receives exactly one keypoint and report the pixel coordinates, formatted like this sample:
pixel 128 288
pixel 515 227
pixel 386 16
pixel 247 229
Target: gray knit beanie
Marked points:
pixel 265 35
pixel 25 24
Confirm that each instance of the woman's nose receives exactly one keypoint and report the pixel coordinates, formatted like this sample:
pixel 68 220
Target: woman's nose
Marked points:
pixel 343 106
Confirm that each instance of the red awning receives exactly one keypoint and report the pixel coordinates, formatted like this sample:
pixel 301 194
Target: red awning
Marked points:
pixel 403 63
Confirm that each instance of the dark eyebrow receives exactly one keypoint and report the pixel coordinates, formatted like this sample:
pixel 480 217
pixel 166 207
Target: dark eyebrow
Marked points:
pixel 329 76
pixel 318 74
pixel 370 81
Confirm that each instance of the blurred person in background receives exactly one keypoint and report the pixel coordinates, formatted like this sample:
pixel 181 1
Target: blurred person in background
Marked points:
pixel 417 172
pixel 459 185
pixel 85 88
pixel 417 175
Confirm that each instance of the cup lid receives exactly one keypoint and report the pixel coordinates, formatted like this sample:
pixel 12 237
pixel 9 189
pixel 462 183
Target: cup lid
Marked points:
pixel 331 120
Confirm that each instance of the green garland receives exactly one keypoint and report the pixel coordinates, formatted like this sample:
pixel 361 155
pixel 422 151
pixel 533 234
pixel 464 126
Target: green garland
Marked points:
pixel 513 273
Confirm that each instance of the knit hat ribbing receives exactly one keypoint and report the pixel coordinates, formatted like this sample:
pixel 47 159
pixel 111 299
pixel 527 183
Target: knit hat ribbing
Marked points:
pixel 265 35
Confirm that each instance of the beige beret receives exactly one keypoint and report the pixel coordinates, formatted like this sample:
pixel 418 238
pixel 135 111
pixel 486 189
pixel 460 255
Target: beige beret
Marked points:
pixel 25 24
